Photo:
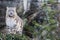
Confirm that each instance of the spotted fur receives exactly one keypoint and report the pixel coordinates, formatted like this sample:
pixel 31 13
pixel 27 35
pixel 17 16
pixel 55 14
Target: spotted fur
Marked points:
pixel 14 24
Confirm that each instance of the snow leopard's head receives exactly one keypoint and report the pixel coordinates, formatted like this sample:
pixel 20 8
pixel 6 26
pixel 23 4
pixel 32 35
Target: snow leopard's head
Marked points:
pixel 11 11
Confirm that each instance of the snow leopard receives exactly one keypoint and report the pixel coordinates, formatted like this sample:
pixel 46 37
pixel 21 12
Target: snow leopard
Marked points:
pixel 14 24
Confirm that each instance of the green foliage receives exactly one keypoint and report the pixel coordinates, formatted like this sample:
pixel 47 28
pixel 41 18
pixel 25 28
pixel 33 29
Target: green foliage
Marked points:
pixel 13 37
pixel 52 1
pixel 46 31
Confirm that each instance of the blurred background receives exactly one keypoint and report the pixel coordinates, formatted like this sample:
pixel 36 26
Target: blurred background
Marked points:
pixel 41 19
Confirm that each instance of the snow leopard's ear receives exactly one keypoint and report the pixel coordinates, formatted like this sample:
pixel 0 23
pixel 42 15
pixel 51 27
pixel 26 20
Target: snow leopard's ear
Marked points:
pixel 7 7
pixel 14 8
